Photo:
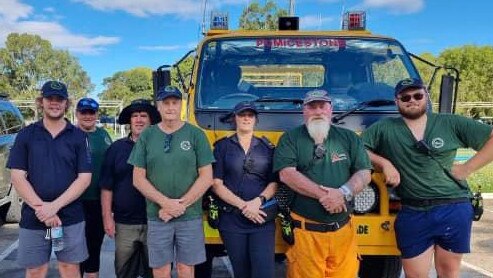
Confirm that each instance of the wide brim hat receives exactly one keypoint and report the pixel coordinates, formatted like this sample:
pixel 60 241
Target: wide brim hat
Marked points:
pixel 139 106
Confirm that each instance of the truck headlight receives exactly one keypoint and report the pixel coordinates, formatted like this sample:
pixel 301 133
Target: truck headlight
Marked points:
pixel 366 200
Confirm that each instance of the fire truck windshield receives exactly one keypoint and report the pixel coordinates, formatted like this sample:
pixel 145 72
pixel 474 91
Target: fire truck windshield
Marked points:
pixel 278 71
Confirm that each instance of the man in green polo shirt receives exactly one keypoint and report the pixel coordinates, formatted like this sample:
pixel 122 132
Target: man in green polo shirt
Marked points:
pixel 99 140
pixel 172 169
pixel 416 153
pixel 325 166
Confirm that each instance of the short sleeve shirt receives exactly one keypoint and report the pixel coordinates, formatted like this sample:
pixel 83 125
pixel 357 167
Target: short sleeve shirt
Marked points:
pixel 172 172
pixel 129 206
pixel 421 176
pixel 52 165
pixel 246 175
pixel 345 155
pixel 99 141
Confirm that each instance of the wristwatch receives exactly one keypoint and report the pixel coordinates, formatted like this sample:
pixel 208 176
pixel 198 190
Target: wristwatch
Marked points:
pixel 346 191
pixel 262 199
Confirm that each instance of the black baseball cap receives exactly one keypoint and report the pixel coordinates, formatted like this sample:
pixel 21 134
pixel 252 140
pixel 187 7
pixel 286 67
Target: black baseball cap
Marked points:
pixel 408 83
pixel 54 88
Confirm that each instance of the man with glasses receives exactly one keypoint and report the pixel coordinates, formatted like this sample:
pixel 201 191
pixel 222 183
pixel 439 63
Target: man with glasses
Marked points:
pixel 99 141
pixel 172 169
pixel 325 166
pixel 416 153
pixel 50 168
pixel 124 208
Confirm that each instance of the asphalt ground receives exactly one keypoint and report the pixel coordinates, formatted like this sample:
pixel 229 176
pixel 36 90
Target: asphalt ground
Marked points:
pixel 477 264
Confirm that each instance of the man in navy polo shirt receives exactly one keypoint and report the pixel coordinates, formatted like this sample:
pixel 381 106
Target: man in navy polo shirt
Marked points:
pixel 124 207
pixel 50 168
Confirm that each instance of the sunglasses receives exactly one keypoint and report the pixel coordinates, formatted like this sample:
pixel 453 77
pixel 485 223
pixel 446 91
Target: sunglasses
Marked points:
pixel 87 112
pixel 407 98
pixel 423 147
pixel 167 142
pixel 319 151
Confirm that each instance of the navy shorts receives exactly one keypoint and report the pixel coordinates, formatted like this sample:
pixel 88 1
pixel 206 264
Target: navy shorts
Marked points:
pixel 448 226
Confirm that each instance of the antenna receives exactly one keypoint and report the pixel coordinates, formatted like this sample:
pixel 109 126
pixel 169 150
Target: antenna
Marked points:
pixel 291 7
pixel 204 6
pixel 342 13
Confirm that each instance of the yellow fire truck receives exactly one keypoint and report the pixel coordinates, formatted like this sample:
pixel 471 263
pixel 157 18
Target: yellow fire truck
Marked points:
pixel 275 69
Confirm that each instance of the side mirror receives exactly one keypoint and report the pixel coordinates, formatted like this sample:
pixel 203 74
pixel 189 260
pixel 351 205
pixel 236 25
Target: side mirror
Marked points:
pixel 446 101
pixel 160 78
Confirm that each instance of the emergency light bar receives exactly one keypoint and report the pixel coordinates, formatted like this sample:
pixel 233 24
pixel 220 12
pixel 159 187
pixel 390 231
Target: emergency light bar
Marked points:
pixel 219 21
pixel 355 20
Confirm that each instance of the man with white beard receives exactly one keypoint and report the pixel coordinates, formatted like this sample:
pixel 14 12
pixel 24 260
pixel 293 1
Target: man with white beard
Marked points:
pixel 325 166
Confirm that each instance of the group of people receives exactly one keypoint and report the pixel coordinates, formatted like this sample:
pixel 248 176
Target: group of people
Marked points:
pixel 146 189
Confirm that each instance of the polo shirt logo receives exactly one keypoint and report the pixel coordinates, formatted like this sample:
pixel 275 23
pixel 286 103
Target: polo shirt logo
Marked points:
pixel 335 157
pixel 185 145
pixel 437 143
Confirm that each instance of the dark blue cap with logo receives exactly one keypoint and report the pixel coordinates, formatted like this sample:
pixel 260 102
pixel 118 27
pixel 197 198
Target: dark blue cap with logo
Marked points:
pixel 244 106
pixel 54 88
pixel 407 84
pixel 168 91
pixel 87 103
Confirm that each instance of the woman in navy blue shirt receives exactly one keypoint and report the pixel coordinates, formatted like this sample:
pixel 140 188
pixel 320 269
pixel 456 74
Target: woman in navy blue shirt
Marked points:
pixel 243 180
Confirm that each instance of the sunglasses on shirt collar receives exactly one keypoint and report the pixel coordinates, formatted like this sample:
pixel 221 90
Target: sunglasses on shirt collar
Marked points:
pixel 167 142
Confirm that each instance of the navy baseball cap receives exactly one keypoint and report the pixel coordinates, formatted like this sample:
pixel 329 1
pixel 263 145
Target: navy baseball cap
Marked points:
pixel 85 104
pixel 54 88
pixel 244 106
pixel 168 91
pixel 316 95
pixel 408 83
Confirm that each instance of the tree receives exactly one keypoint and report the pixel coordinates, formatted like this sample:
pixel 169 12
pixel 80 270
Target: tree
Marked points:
pixel 127 86
pixel 258 17
pixel 27 61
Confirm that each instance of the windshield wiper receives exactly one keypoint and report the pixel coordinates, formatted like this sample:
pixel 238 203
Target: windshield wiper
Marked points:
pixel 272 99
pixel 363 105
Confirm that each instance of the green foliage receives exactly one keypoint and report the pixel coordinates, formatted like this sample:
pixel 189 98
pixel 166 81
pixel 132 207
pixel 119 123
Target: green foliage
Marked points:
pixel 127 86
pixel 258 17
pixel 27 61
pixel 483 177
pixel 475 65
pixel 186 68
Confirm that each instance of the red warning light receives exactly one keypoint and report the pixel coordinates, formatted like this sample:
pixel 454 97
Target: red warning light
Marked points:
pixel 354 21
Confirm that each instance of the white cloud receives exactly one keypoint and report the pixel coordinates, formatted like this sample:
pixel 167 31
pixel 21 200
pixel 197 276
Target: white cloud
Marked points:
pixel 396 6
pixel 314 21
pixel 143 8
pixel 18 17
pixel 11 10
pixel 49 10
pixel 188 46
pixel 161 47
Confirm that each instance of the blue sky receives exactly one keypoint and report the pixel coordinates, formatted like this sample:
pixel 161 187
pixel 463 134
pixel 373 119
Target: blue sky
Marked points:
pixel 116 35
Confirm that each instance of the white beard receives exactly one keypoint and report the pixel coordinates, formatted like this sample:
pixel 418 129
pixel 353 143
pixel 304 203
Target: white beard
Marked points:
pixel 318 129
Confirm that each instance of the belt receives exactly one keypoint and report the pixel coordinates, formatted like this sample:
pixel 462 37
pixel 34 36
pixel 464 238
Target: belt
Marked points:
pixel 433 202
pixel 321 227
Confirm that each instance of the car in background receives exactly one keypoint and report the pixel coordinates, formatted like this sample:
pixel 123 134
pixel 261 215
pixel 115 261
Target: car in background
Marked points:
pixel 11 122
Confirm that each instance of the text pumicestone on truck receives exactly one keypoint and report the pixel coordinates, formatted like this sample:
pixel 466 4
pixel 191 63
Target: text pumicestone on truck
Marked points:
pixel 275 69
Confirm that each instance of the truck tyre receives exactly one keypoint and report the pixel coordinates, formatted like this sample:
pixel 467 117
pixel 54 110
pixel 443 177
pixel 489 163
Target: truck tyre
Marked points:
pixel 380 267
pixel 14 212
